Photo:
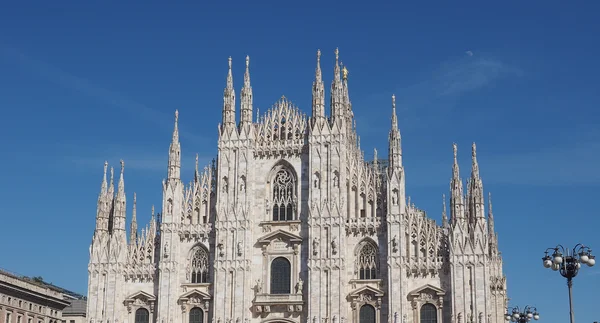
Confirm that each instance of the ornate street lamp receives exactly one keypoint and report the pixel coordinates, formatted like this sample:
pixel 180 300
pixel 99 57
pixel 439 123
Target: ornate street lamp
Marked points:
pixel 527 314
pixel 568 262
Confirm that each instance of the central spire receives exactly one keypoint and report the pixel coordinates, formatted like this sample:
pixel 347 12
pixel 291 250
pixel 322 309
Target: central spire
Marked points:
pixel 246 97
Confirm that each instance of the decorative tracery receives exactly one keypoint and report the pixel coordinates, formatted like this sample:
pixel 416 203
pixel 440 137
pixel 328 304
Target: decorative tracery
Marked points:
pixel 199 265
pixel 367 261
pixel 284 196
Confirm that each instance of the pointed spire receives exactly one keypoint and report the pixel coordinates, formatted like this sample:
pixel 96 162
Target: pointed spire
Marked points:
pixel 395 140
pixel 111 186
pixel 176 127
pixel 246 97
pixel 318 91
pixel 133 227
pixel 444 215
pixel 456 190
pixel 153 223
pixel 121 187
pixel 102 213
pixel 475 168
pixel 337 90
pixel 455 168
pixel 247 74
pixel 394 115
pixel 104 186
pixel 490 215
pixel 475 189
pixel 347 105
pixel 174 167
pixel 229 100
pixel 119 214
pixel 336 71
pixel 229 75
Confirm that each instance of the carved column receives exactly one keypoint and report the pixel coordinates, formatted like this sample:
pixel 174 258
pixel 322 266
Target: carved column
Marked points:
pixel 440 307
pixel 184 318
pixel 416 312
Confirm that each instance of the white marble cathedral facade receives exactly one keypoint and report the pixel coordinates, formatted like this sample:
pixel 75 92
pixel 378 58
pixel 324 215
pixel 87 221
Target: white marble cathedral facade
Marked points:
pixel 291 224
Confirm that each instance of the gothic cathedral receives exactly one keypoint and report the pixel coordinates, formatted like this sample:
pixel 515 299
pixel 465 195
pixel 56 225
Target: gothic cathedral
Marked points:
pixel 291 225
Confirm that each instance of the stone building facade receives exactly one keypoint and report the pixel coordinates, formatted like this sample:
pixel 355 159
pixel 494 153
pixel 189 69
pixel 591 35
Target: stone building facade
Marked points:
pixel 23 301
pixel 291 224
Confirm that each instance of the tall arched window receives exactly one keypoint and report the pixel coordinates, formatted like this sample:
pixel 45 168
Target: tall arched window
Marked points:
pixel 281 276
pixel 199 265
pixel 367 261
pixel 428 313
pixel 142 316
pixel 196 315
pixel 367 314
pixel 284 196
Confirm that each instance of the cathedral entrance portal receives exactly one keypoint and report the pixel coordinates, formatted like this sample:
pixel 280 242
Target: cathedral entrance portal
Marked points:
pixel 196 315
pixel 367 314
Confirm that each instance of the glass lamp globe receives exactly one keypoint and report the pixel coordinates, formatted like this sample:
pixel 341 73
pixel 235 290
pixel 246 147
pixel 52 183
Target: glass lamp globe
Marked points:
pixel 547 263
pixel 578 265
pixel 555 267
pixel 507 317
pixel 529 315
pixel 516 316
pixel 536 316
pixel 558 259
pixel 591 261
pixel 584 257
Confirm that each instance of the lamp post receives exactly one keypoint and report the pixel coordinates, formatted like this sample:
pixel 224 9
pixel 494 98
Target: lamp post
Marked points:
pixel 568 262
pixel 522 316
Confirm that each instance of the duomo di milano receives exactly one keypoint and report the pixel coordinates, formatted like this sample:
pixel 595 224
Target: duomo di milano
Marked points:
pixel 291 225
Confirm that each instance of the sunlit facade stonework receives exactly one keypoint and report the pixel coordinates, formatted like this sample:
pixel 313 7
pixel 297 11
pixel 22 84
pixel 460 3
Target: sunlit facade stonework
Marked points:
pixel 291 224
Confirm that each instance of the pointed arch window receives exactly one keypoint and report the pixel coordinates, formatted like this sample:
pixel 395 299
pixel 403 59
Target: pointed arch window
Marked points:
pixel 284 196
pixel 281 276
pixel 142 316
pixel 196 315
pixel 199 265
pixel 428 313
pixel 367 314
pixel 367 261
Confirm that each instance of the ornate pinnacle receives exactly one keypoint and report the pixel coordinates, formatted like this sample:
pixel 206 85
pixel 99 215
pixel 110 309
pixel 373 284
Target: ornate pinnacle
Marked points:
pixel 122 166
pixel 474 150
pixel 318 55
pixel 337 55
pixel 247 61
pixel 229 62
pixel 455 148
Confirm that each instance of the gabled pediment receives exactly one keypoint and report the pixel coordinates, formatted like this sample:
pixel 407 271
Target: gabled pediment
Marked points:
pixel 280 235
pixel 141 295
pixel 195 294
pixel 366 290
pixel 427 289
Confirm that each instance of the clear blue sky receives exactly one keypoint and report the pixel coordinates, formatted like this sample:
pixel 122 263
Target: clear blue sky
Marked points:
pixel 81 82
